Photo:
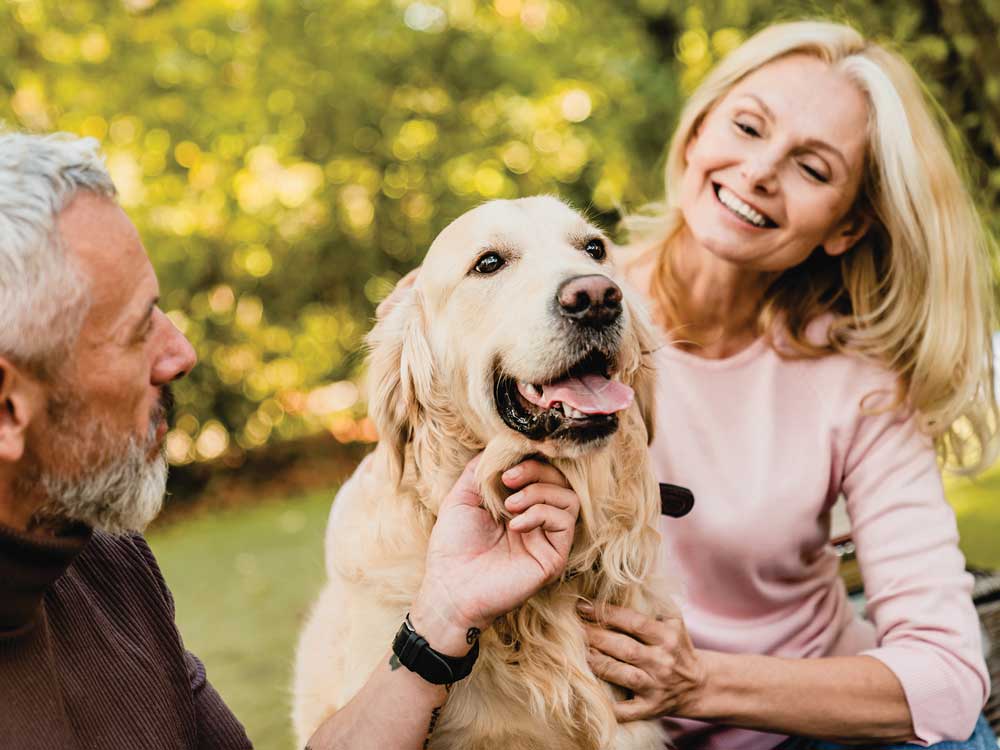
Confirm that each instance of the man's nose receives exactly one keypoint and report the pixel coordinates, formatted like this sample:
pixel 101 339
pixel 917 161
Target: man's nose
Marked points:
pixel 176 359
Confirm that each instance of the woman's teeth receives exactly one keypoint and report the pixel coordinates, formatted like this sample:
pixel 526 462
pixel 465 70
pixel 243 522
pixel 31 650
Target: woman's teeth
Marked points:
pixel 741 209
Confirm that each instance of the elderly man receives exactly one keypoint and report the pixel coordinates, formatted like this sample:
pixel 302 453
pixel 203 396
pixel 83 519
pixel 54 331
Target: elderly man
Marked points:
pixel 90 656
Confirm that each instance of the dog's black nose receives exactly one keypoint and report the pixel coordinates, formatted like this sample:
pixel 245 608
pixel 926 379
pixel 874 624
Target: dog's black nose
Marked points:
pixel 592 300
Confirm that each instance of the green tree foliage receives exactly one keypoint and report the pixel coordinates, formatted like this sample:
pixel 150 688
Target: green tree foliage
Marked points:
pixel 286 161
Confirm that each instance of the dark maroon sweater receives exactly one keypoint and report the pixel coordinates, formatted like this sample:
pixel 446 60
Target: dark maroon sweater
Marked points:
pixel 90 656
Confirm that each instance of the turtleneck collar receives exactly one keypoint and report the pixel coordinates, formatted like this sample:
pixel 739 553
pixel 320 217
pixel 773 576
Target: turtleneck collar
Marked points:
pixel 29 565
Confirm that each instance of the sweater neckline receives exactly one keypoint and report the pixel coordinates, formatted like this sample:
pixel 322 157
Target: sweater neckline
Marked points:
pixel 744 356
pixel 29 566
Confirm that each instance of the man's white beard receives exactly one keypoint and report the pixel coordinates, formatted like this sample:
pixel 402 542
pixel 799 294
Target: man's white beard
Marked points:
pixel 120 489
pixel 125 495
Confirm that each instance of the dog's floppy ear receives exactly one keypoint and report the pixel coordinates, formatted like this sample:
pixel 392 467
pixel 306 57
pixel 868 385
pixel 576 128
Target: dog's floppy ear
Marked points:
pixel 644 380
pixel 399 369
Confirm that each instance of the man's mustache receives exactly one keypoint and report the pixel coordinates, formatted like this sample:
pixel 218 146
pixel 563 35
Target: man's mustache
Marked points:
pixel 164 408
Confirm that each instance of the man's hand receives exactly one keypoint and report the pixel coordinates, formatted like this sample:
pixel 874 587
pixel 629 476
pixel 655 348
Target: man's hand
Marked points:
pixel 478 569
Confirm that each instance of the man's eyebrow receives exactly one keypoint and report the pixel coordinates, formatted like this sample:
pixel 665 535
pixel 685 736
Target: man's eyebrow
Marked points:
pixel 141 323
pixel 811 142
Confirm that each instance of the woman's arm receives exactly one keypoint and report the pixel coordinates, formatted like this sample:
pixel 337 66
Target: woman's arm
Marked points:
pixel 477 570
pixel 926 679
pixel 842 698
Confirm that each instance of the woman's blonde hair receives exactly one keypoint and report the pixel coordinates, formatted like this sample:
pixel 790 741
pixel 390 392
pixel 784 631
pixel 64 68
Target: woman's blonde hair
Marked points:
pixel 914 293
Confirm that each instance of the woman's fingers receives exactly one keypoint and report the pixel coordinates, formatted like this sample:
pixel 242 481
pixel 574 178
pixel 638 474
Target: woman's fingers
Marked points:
pixel 635 709
pixel 641 627
pixel 618 646
pixel 531 471
pixel 618 673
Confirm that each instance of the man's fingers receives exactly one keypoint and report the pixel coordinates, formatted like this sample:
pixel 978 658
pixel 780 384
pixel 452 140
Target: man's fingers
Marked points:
pixel 535 494
pixel 542 516
pixel 530 471
pixel 550 558
pixel 466 488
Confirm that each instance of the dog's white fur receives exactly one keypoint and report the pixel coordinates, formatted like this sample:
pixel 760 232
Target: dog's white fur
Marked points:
pixel 432 373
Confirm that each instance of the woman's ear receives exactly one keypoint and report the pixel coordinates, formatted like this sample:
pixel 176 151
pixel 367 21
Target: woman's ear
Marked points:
pixel 847 233
pixel 399 369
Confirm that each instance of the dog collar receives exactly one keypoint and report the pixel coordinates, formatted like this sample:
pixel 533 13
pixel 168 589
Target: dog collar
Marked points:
pixel 675 501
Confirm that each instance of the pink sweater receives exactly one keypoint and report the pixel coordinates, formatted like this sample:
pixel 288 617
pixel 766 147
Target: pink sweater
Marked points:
pixel 767 445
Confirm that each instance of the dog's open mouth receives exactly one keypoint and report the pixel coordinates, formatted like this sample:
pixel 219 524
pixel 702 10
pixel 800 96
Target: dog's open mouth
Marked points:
pixel 581 405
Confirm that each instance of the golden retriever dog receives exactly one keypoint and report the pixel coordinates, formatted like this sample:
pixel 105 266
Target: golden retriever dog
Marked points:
pixel 515 339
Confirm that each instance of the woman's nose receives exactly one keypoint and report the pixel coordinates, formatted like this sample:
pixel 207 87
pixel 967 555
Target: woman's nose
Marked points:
pixel 760 173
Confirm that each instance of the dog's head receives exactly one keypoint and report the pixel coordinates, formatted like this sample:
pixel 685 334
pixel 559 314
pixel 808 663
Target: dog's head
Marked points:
pixel 517 321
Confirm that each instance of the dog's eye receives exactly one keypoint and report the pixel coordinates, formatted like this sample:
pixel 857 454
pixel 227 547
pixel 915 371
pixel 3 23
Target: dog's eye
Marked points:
pixel 595 249
pixel 489 263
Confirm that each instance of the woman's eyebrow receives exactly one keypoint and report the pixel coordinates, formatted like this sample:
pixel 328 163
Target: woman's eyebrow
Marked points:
pixel 815 143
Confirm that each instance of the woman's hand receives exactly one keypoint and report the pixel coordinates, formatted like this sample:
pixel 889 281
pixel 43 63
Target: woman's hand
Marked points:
pixel 479 569
pixel 652 659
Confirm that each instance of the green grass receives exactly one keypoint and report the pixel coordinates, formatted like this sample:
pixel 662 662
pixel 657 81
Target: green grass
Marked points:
pixel 977 505
pixel 243 580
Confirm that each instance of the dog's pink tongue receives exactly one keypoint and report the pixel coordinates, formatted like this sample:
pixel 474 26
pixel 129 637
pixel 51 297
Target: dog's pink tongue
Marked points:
pixel 591 394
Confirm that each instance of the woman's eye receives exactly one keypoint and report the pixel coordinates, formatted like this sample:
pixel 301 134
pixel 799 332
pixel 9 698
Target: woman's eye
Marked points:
pixel 815 174
pixel 595 249
pixel 748 129
pixel 489 263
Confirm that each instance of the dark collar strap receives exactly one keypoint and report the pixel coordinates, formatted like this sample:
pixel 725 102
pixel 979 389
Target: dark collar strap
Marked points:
pixel 675 501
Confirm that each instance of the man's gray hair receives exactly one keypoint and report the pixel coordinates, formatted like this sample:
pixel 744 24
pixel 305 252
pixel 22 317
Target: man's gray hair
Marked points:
pixel 44 297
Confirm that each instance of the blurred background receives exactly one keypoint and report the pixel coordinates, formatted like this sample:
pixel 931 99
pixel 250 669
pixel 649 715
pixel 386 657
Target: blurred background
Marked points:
pixel 286 161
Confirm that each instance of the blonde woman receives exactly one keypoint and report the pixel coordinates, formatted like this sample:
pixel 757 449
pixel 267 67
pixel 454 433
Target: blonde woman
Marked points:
pixel 822 275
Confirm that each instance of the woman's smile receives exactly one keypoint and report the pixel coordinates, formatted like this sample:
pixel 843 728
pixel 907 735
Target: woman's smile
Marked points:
pixel 746 214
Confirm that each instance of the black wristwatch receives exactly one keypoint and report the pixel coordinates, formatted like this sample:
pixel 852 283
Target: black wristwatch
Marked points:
pixel 415 654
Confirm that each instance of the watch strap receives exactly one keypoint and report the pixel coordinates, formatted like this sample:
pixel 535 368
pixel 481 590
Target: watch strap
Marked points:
pixel 416 654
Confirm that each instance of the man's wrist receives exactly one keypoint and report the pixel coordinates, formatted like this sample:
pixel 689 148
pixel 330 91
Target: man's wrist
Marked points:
pixel 445 632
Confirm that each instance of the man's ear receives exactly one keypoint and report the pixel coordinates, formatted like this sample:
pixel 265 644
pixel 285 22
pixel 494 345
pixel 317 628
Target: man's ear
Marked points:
pixel 399 368
pixel 847 233
pixel 21 400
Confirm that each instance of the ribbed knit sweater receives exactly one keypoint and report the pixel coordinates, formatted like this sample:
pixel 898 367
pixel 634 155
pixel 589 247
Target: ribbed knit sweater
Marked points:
pixel 769 444
pixel 90 656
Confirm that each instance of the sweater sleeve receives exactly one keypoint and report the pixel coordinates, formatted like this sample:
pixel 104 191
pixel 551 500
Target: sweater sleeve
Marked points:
pixel 217 726
pixel 919 595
